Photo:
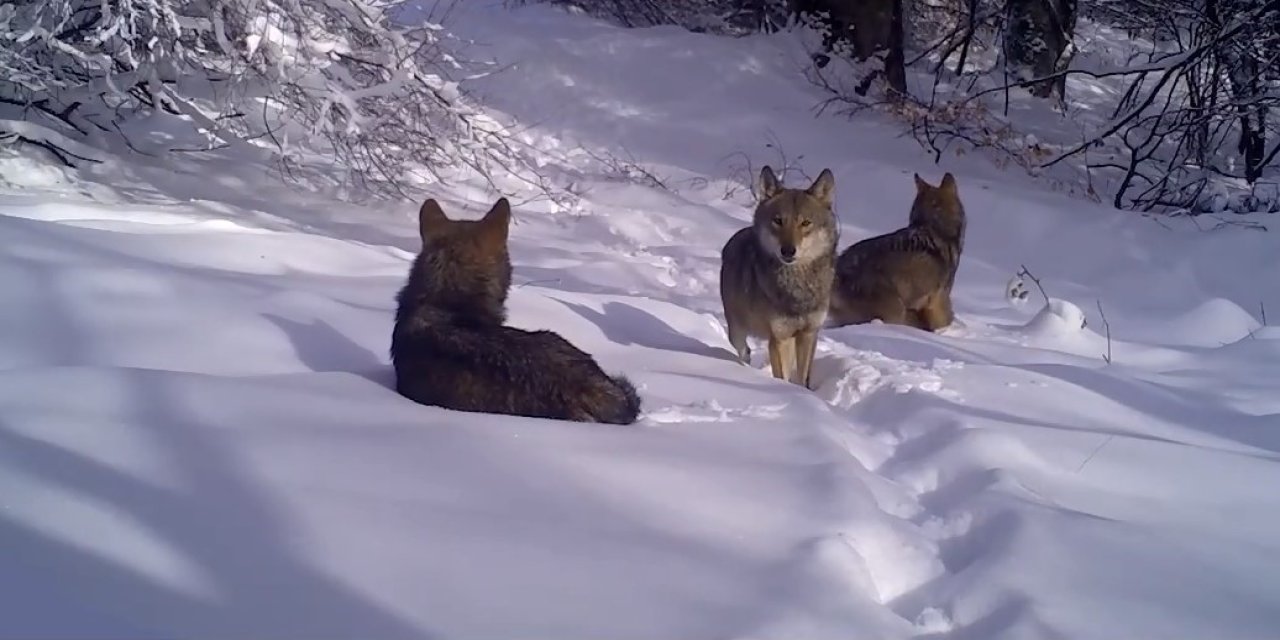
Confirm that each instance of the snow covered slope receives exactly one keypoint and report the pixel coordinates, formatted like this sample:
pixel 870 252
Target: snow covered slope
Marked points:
pixel 197 437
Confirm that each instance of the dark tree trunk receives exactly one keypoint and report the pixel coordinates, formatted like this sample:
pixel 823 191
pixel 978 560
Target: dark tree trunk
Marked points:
pixel 1253 146
pixel 926 23
pixel 1037 43
pixel 895 70
pixel 868 27
pixel 1245 63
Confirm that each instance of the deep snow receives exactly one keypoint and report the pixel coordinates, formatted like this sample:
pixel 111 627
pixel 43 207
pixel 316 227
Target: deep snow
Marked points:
pixel 197 437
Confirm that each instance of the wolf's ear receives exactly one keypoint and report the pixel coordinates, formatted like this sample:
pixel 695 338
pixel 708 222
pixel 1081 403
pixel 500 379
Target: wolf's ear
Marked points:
pixel 949 183
pixel 495 224
pixel 921 185
pixel 824 188
pixel 431 220
pixel 769 183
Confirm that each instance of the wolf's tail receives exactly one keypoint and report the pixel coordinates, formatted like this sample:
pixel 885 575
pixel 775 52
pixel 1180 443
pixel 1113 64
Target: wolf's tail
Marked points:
pixel 620 407
pixel 511 371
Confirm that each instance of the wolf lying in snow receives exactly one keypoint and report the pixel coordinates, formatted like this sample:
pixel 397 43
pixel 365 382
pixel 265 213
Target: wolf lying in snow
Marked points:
pixel 450 348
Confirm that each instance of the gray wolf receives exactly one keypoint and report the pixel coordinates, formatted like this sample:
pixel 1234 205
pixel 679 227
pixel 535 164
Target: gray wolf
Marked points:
pixel 449 346
pixel 905 277
pixel 776 275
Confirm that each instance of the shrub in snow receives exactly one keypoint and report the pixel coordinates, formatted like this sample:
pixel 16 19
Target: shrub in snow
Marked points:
pixel 1266 197
pixel 1213 199
pixel 1192 97
pixel 336 76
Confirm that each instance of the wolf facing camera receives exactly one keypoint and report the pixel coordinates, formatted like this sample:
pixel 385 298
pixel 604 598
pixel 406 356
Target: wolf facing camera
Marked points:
pixel 776 275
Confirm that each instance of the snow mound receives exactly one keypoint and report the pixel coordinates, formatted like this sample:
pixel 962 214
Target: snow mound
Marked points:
pixel 1211 323
pixel 1266 333
pixel 1057 319
pixel 25 172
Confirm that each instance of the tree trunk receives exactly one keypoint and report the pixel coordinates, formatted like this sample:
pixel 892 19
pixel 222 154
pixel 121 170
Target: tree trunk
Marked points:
pixel 869 27
pixel 925 23
pixel 1245 63
pixel 895 69
pixel 1037 43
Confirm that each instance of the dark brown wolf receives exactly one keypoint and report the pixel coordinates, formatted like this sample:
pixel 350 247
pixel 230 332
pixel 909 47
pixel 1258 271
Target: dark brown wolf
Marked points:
pixel 905 277
pixel 450 348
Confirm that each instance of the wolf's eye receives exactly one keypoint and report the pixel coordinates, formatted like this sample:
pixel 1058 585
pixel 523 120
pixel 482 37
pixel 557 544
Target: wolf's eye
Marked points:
pixel 805 223
pixel 777 221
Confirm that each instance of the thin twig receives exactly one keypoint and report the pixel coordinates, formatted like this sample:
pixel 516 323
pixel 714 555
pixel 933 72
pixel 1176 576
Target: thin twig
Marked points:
pixel 1107 441
pixel 629 169
pixel 1106 326
pixel 744 171
pixel 1027 273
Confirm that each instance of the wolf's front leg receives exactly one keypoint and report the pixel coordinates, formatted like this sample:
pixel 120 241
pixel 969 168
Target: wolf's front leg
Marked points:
pixel 806 343
pixel 738 339
pixel 782 357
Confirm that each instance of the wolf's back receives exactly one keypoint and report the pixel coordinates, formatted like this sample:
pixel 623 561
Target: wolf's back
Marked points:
pixel 907 262
pixel 497 369
pixel 737 263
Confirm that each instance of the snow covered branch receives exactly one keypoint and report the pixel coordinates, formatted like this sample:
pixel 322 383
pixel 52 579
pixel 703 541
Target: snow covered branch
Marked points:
pixel 1196 112
pixel 335 77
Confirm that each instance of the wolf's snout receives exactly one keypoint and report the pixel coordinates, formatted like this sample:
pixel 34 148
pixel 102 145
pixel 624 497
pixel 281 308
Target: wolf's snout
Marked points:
pixel 788 253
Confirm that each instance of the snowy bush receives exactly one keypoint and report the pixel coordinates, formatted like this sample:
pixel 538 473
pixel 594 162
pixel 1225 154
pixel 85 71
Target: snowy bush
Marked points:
pixel 338 77
pixel 1188 93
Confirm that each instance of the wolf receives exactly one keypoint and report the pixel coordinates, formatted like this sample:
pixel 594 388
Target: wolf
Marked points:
pixel 776 275
pixel 905 277
pixel 450 347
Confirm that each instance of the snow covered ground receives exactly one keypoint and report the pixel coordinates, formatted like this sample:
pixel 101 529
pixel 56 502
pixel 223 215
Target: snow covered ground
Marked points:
pixel 197 437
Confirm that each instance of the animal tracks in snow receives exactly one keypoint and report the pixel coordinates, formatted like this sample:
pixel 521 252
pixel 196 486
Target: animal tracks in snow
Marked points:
pixel 711 411
pixel 845 377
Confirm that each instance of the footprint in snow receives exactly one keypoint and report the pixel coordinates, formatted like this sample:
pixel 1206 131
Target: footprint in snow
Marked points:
pixel 712 411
